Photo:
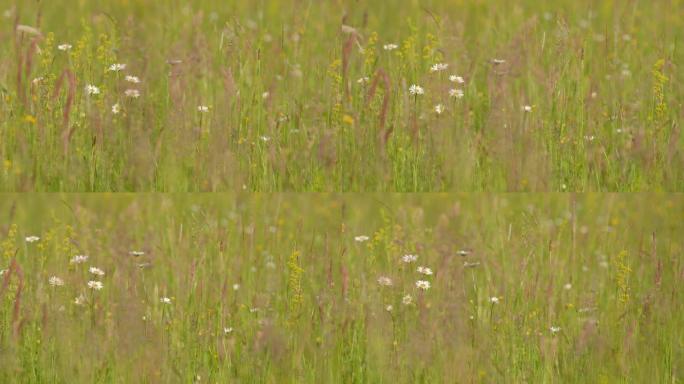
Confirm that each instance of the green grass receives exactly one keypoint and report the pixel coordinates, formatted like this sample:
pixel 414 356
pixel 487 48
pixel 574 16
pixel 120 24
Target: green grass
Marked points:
pixel 603 79
pixel 309 309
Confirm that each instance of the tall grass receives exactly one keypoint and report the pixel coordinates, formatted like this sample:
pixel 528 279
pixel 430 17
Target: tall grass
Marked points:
pixel 276 288
pixel 303 96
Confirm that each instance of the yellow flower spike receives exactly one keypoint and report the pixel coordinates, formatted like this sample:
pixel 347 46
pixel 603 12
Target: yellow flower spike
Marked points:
pixel 30 119
pixel 347 119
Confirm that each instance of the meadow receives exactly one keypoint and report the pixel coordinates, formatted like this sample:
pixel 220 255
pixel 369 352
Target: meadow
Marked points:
pixel 295 95
pixel 260 288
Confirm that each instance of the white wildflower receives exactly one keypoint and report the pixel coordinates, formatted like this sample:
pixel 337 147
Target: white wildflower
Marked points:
pixel 424 270
pixel 165 300
pixel 136 253
pixel 409 258
pixel 457 93
pixel 56 281
pixel 527 108
pixel 554 330
pixel 64 47
pixel 494 300
pixel 96 285
pixel 92 90
pixel 116 108
pixel 439 108
pixel 236 287
pixel 406 300
pixel 416 90
pixel 132 79
pixel 117 67
pixel 361 238
pixel 423 284
pixel 134 93
pixel 389 308
pixel 32 239
pixel 456 79
pixel 203 108
pixel 439 67
pixel 363 80
pixel 96 271
pixel 390 47
pixel 227 330
pixel 567 286
pixel 80 300
pixel 79 259
pixel 384 281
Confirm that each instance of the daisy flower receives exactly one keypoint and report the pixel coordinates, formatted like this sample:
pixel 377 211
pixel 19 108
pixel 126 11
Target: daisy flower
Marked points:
pixel 439 108
pixel 457 93
pixel 92 90
pixel 406 300
pixel 80 300
pixel 64 47
pixel 134 93
pixel 494 300
pixel 96 271
pixel 116 108
pixel 56 281
pixel 78 259
pixel 227 330
pixel 554 330
pixel 203 108
pixel 439 67
pixel 527 108
pixel 361 238
pixel 416 90
pixel 456 79
pixel 423 284
pixel 424 270
pixel 96 285
pixel 409 258
pixel 165 300
pixel 132 79
pixel 32 239
pixel 384 281
pixel 117 67
pixel 390 47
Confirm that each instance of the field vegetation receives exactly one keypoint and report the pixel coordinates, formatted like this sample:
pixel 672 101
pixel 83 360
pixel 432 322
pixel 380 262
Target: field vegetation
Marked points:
pixel 350 289
pixel 294 95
